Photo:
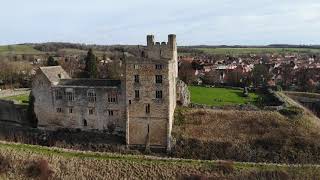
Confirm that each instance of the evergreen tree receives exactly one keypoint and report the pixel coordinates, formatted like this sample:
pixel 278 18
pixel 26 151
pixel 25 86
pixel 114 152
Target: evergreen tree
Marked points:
pixel 52 62
pixel 260 75
pixel 31 114
pixel 91 70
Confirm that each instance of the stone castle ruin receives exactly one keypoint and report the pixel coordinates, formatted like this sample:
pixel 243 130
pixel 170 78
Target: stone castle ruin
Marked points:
pixel 141 105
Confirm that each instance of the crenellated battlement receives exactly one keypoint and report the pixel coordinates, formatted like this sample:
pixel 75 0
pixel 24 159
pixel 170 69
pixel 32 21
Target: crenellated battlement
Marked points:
pixel 171 41
pixel 163 50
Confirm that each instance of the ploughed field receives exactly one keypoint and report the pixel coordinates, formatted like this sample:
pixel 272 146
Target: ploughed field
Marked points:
pixel 220 96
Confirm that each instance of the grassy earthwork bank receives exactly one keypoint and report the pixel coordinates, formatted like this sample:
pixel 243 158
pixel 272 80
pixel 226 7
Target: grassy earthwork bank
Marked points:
pixel 19 161
pixel 220 96
pixel 288 136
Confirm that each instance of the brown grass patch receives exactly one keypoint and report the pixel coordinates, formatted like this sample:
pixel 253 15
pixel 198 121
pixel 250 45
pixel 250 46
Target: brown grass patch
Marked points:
pixel 255 136
pixel 4 164
pixel 84 165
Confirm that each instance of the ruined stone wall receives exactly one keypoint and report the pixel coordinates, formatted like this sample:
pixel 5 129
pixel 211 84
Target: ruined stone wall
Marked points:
pixel 43 102
pixel 183 94
pixel 12 113
pixel 172 99
pixel 75 114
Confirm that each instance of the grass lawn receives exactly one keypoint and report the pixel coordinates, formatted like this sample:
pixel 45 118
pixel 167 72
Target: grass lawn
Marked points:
pixel 240 51
pixel 21 99
pixel 219 96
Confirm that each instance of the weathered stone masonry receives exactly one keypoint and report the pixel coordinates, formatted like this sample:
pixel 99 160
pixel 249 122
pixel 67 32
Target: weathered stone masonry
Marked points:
pixel 141 105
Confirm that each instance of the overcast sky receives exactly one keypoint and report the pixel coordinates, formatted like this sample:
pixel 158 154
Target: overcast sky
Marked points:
pixel 214 22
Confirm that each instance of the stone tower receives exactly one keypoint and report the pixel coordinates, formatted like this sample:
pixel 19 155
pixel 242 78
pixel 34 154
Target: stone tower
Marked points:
pixel 150 83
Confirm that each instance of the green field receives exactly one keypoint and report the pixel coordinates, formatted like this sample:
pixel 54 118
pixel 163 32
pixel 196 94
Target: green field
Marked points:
pixel 220 96
pixel 73 51
pixel 18 49
pixel 21 99
pixel 241 51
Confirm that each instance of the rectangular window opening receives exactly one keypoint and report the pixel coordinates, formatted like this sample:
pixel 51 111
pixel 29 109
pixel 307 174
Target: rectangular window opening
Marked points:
pixel 91 111
pixel 92 96
pixel 112 98
pixel 158 79
pixel 136 78
pixel 70 96
pixel 136 94
pixel 110 112
pixel 58 94
pixel 148 109
pixel 159 94
pixel 159 66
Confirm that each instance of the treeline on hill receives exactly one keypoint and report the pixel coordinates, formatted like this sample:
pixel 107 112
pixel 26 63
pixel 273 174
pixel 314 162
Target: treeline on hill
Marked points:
pixel 189 50
pixel 55 46
pixel 267 46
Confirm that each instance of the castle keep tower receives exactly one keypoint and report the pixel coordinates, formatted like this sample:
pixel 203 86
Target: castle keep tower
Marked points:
pixel 150 83
pixel 141 104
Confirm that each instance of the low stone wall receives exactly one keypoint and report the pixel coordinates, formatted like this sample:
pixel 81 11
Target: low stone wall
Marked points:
pixel 308 100
pixel 276 103
pixel 240 107
pixel 12 113
pixel 64 138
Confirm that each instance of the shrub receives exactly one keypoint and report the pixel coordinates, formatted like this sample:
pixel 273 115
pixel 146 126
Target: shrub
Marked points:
pixel 224 167
pixel 33 170
pixel 4 164
pixel 39 169
pixel 179 118
pixel 111 127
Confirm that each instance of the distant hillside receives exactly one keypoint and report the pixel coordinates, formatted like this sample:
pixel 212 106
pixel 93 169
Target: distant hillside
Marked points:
pixel 18 50
pixel 257 50
pixel 266 46
pixel 76 48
